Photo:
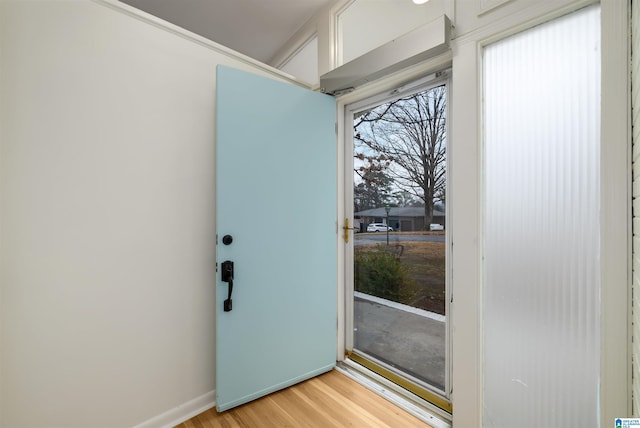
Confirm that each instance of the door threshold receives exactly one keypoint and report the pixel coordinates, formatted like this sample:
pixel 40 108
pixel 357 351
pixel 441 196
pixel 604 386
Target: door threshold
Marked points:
pixel 405 400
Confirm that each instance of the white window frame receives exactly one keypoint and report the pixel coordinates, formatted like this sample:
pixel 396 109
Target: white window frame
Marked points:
pixel 466 203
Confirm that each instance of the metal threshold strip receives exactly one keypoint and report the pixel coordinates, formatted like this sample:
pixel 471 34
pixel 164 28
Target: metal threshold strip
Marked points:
pixel 405 400
pixel 402 382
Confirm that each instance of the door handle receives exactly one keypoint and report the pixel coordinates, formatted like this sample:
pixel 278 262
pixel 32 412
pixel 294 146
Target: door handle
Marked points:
pixel 346 229
pixel 227 276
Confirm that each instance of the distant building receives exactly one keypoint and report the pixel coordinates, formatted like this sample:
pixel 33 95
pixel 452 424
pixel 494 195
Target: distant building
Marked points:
pixel 403 219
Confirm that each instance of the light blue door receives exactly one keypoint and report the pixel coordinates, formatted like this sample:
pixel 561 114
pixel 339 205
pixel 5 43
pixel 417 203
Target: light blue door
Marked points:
pixel 276 203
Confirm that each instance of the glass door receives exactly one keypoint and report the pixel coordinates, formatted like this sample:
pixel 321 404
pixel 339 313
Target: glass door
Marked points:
pixel 398 290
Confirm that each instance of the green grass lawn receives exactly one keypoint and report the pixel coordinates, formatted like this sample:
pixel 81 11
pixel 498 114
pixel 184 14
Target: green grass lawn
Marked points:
pixel 426 264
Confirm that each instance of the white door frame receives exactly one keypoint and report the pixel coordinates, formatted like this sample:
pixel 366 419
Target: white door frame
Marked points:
pixel 465 202
pixel 422 84
pixel 345 261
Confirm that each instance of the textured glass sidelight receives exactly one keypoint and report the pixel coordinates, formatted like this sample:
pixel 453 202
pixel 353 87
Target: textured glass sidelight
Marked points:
pixel 541 225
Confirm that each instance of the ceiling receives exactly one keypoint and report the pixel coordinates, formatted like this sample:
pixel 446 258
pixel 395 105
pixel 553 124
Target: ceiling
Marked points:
pixel 257 28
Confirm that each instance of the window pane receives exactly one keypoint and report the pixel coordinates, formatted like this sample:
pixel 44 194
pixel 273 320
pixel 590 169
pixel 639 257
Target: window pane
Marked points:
pixel 541 225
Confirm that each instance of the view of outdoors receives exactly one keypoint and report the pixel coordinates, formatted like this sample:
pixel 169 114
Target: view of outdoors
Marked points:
pixel 399 260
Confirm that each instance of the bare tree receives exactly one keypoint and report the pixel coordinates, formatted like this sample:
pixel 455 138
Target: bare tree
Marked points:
pixel 406 139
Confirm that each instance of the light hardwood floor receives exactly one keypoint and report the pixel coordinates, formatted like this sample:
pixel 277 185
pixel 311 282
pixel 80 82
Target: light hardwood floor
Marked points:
pixel 329 400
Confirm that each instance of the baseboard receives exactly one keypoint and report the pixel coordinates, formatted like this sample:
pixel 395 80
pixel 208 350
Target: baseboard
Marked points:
pixel 181 413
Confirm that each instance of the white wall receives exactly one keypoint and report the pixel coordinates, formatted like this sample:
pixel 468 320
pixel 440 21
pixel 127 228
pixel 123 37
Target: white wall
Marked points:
pixel 107 256
pixel 304 63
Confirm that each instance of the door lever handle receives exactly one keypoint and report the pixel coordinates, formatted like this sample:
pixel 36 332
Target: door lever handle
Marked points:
pixel 346 229
pixel 227 276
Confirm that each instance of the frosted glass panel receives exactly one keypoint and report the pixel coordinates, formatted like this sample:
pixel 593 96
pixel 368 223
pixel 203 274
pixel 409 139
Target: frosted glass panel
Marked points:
pixel 541 225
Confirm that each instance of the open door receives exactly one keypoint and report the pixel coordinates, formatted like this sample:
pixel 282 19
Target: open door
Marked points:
pixel 276 225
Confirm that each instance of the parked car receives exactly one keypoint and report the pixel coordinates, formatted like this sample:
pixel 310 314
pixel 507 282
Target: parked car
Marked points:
pixel 436 226
pixel 379 227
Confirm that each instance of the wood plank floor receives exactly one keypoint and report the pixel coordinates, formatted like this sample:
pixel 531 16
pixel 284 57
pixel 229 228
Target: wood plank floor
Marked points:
pixel 329 400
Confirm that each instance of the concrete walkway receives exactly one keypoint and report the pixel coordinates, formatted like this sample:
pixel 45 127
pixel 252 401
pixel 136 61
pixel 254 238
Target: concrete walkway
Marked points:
pixel 409 339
